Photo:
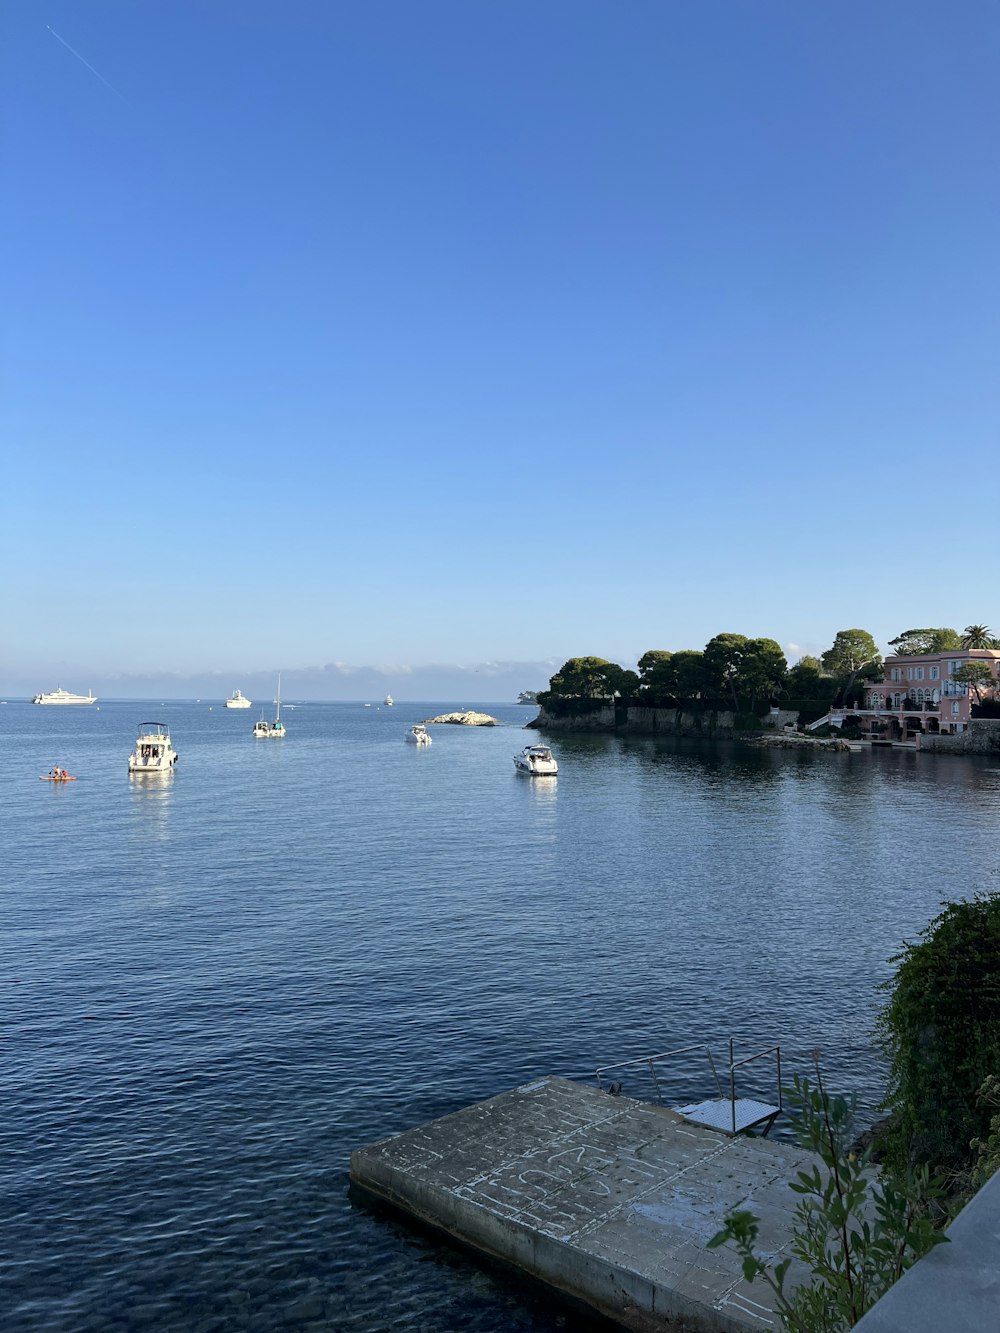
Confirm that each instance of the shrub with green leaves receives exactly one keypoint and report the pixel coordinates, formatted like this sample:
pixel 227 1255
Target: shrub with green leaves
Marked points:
pixel 987 1150
pixel 855 1235
pixel 941 1032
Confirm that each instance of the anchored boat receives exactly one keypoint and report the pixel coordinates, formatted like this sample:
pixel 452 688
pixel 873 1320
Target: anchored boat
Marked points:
pixel 153 751
pixel 61 696
pixel 237 700
pixel 419 735
pixel 275 729
pixel 537 761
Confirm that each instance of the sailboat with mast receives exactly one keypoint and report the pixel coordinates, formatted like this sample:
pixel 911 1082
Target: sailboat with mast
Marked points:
pixel 275 728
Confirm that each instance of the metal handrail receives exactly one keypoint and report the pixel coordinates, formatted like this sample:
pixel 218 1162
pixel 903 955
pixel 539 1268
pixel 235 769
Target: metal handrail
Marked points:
pixel 749 1059
pixel 650 1061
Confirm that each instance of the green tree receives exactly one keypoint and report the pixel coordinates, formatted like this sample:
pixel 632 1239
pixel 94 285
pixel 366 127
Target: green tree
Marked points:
pixel 915 641
pixel 689 670
pixel 583 678
pixel 852 650
pixel 762 670
pixel 593 678
pixel 656 677
pixel 744 670
pixel 805 680
pixel 722 658
pixel 648 662
pixel 623 682
pixel 978 676
pixel 674 676
pixel 978 636
pixel 941 1032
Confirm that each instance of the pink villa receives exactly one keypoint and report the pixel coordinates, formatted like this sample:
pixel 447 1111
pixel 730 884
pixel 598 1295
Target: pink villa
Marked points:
pixel 917 696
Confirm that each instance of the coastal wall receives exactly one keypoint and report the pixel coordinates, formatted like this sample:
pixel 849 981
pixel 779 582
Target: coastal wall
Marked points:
pixel 982 736
pixel 955 1286
pixel 633 719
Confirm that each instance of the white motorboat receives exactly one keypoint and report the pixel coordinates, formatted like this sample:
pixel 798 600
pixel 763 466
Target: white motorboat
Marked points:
pixel 61 696
pixel 418 735
pixel 537 761
pixel 275 729
pixel 389 701
pixel 153 751
pixel 237 700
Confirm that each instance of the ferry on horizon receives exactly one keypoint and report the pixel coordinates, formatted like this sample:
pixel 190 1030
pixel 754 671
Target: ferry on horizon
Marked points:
pixel 61 696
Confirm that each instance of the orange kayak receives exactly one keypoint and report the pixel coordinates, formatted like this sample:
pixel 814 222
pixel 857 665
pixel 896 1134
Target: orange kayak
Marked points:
pixel 50 777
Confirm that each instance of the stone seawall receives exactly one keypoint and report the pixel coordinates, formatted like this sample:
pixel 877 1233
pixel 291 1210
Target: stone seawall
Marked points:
pixel 630 719
pixel 982 736
pixel 602 719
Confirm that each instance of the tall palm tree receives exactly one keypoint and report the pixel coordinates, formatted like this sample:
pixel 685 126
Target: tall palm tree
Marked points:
pixel 978 636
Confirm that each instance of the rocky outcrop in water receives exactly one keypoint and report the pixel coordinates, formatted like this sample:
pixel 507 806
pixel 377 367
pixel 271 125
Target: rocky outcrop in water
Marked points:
pixel 470 719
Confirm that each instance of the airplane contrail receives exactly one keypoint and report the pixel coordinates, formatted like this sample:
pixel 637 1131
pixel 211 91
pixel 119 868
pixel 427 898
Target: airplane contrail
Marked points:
pixel 85 62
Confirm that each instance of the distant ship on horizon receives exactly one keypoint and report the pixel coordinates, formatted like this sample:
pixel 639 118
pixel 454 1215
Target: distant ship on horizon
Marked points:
pixel 61 696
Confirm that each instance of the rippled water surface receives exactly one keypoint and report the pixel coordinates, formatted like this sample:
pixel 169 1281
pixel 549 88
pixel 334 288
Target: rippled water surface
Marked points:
pixel 216 984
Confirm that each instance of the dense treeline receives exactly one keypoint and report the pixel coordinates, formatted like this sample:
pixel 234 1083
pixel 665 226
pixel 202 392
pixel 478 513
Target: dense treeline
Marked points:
pixel 749 675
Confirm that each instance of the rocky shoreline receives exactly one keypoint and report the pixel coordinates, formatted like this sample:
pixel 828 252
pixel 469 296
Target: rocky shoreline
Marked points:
pixel 795 741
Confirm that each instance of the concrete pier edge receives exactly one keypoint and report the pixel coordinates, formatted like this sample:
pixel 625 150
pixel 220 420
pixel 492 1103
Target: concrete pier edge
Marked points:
pixel 608 1201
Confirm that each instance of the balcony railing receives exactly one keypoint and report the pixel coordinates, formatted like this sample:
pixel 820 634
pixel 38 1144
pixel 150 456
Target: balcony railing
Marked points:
pixel 901 708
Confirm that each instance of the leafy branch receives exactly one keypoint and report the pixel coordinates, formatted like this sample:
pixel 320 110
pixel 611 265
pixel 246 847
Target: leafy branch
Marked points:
pixel 854 1234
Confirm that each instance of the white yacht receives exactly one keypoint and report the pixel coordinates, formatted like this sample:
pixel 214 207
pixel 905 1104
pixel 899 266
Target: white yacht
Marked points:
pixel 153 751
pixel 536 760
pixel 418 735
pixel 237 700
pixel 61 696
pixel 389 701
pixel 275 729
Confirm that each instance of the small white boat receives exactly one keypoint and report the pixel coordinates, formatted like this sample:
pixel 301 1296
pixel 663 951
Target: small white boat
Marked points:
pixel 388 701
pixel 275 729
pixel 237 700
pixel 537 761
pixel 61 696
pixel 418 735
pixel 153 751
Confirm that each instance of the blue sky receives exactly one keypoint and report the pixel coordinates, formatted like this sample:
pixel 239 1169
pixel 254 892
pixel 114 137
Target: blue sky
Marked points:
pixel 402 334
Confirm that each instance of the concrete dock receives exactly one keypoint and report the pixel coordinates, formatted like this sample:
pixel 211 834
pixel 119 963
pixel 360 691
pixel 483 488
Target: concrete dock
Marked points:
pixel 610 1200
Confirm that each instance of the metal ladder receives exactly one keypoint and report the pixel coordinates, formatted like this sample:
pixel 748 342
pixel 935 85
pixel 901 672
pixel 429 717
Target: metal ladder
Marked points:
pixel 730 1114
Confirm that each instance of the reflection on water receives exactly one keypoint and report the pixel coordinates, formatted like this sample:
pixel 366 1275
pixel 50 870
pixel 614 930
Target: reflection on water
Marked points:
pixel 152 794
pixel 326 944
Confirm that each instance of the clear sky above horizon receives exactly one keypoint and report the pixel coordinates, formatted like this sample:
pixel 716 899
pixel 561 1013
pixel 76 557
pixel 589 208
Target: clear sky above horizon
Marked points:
pixel 410 333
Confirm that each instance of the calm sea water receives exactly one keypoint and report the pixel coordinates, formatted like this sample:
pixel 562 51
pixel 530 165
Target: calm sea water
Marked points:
pixel 215 985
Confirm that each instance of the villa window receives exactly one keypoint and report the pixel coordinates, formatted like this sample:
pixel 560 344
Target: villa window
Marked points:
pixel 955 709
pixel 920 673
pixel 953 665
pixel 935 673
pixel 909 673
pixel 895 675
